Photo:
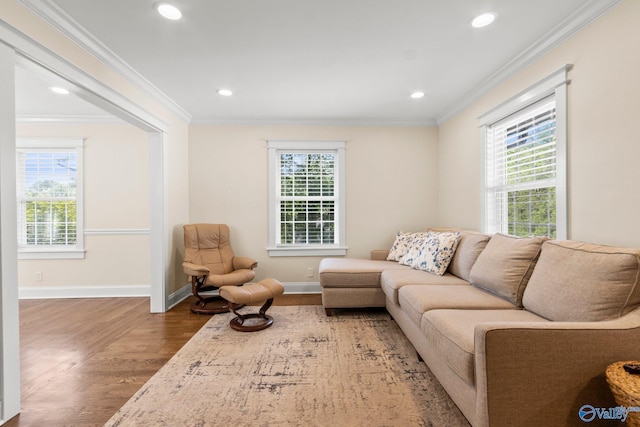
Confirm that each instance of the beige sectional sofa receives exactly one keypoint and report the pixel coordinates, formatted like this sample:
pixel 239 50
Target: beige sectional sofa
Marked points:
pixel 518 331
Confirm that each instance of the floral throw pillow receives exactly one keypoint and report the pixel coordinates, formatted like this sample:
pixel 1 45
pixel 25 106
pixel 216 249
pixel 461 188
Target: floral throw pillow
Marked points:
pixel 436 252
pixel 401 245
pixel 413 251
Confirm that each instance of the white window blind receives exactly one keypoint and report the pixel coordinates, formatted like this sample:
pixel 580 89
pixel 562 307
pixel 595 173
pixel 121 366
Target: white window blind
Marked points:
pixel 521 171
pixel 306 198
pixel 49 201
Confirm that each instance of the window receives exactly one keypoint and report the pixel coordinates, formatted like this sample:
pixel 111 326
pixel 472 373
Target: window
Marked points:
pixel 306 198
pixel 521 171
pixel 525 162
pixel 49 190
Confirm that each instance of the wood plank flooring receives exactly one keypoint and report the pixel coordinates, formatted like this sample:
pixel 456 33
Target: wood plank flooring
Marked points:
pixel 82 359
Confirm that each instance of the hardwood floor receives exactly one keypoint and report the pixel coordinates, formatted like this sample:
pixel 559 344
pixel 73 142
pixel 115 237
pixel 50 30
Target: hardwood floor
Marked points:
pixel 82 359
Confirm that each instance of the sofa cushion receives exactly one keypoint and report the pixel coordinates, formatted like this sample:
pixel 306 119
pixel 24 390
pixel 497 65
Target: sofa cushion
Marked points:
pixel 505 266
pixel 580 282
pixel 392 280
pixel 415 300
pixel 450 333
pixel 353 272
pixel 470 246
pixel 403 242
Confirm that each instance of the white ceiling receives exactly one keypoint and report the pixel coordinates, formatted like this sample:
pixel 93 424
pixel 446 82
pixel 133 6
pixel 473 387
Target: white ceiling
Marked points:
pixel 35 101
pixel 333 61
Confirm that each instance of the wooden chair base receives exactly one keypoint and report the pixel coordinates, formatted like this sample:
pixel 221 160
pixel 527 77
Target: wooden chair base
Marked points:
pixel 210 305
pixel 239 323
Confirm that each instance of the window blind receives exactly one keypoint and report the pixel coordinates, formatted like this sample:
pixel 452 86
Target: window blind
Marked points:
pixel 307 198
pixel 521 170
pixel 46 189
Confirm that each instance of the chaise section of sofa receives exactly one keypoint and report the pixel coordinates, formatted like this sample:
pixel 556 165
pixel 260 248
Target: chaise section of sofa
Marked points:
pixel 354 283
pixel 351 282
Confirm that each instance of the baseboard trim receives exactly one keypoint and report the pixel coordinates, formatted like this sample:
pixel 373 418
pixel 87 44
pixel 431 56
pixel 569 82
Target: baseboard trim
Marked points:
pixel 116 291
pixel 178 296
pixel 289 288
pixel 302 287
pixel 56 292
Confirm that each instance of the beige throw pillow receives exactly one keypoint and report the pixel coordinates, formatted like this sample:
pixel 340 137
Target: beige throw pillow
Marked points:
pixel 581 282
pixel 469 249
pixel 505 266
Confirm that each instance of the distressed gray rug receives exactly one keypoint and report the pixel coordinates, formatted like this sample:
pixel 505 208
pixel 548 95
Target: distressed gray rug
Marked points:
pixel 352 369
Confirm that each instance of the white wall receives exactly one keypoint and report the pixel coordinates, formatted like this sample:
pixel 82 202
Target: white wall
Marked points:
pixel 116 208
pixel 391 183
pixel 603 142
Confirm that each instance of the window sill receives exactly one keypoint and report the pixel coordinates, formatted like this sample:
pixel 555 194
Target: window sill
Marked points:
pixel 307 251
pixel 50 254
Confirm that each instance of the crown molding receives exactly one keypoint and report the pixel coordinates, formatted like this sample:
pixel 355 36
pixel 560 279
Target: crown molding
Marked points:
pixel 582 17
pixel 317 122
pixel 60 20
pixel 68 119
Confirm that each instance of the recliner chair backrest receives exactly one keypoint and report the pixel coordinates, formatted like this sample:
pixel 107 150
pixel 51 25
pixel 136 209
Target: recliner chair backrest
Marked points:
pixel 209 245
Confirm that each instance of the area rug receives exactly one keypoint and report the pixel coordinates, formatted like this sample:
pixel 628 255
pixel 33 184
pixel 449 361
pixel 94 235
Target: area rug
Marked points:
pixel 352 369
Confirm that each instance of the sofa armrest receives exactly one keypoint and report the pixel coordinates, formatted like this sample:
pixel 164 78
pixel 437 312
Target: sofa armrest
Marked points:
pixel 195 269
pixel 543 373
pixel 240 262
pixel 379 254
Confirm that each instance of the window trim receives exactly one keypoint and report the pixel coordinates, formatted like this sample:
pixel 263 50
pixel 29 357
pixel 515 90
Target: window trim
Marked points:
pixel 554 85
pixel 337 147
pixel 76 251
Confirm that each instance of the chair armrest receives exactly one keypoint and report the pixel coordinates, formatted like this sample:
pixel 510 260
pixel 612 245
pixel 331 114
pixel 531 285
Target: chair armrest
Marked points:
pixel 195 269
pixel 240 262
pixel 379 254
pixel 542 373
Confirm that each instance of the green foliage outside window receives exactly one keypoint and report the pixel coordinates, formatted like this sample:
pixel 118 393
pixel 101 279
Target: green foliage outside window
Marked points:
pixel 532 212
pixel 50 213
pixel 531 158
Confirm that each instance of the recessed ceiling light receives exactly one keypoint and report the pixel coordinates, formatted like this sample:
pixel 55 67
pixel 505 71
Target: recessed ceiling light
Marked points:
pixel 417 95
pixel 483 20
pixel 224 92
pixel 168 11
pixel 59 90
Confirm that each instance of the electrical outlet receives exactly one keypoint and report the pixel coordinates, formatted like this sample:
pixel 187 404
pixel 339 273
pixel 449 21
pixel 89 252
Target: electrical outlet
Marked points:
pixel 38 276
pixel 310 272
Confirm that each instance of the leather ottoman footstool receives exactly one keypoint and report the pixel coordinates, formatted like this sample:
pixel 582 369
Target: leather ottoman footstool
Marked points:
pixel 264 290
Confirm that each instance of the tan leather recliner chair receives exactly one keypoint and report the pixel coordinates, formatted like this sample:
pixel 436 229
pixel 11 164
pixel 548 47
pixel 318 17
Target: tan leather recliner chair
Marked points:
pixel 211 263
